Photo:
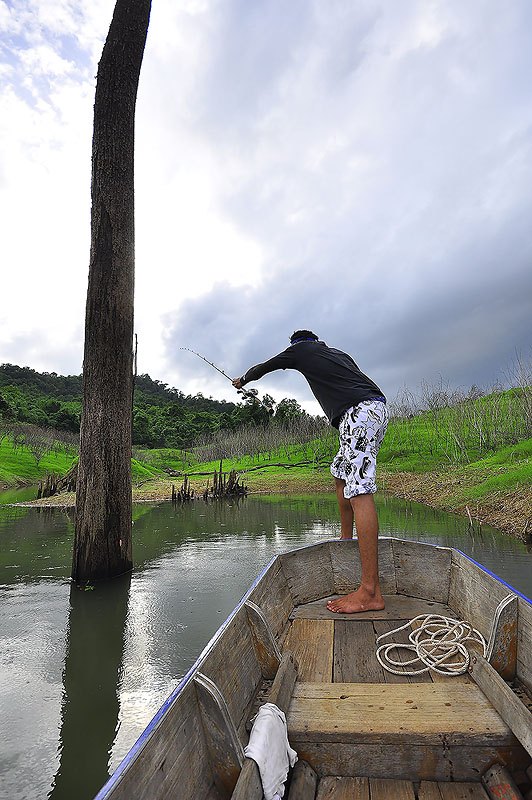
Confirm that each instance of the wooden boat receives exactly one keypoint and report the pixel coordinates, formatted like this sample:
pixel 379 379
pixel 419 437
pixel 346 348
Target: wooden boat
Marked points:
pixel 359 730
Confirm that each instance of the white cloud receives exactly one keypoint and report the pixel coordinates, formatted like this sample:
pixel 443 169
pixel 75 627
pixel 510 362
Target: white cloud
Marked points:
pixel 43 60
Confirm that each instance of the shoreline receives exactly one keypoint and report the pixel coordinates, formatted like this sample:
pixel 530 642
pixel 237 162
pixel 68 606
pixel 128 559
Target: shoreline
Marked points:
pixel 510 511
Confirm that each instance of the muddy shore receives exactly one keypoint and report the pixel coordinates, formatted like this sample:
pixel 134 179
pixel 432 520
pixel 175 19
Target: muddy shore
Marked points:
pixel 510 512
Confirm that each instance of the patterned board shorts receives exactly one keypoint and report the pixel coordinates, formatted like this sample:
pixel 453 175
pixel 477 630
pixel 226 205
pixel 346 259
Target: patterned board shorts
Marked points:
pixel 361 430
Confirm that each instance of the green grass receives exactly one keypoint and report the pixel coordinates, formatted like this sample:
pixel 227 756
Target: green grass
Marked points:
pixel 400 461
pixel 285 455
pixel 471 437
pixel 160 459
pixel 504 471
pixel 142 471
pixel 501 469
pixel 19 466
pixel 459 434
pixel 503 482
pixel 157 461
pixel 507 455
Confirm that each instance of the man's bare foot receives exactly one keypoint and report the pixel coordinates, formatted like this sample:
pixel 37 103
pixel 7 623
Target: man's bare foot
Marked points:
pixel 361 600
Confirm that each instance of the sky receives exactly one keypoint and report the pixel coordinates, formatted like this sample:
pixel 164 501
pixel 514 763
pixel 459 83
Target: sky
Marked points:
pixel 361 169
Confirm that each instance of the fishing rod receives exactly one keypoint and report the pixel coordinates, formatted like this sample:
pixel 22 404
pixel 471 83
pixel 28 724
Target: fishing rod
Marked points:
pixel 247 394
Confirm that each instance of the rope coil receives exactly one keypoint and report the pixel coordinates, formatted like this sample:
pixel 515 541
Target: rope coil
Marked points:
pixel 435 641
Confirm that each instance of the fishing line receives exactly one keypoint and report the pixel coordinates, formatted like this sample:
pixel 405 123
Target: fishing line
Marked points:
pixel 247 394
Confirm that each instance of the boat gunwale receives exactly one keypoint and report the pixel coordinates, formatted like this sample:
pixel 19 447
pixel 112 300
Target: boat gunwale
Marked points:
pixel 129 757
pixel 489 572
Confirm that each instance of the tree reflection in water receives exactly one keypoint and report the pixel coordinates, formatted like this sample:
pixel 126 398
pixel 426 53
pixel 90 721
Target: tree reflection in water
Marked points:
pixel 94 653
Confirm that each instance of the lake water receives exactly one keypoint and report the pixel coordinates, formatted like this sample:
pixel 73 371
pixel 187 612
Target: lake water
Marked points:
pixel 83 672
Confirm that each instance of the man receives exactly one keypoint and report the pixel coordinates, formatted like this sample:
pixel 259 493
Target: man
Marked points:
pixel 357 407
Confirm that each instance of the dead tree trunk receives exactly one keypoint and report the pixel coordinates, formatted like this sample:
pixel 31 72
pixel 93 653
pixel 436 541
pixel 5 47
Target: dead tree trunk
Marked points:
pixel 102 543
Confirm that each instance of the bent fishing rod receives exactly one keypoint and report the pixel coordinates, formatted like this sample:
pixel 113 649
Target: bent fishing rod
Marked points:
pixel 247 394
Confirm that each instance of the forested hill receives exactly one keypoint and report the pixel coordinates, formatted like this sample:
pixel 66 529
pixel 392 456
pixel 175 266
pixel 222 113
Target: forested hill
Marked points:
pixel 61 387
pixel 162 416
pixel 157 393
pixel 68 388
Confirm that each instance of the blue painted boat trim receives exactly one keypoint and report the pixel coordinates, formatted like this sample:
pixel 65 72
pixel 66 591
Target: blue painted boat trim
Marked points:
pixel 500 580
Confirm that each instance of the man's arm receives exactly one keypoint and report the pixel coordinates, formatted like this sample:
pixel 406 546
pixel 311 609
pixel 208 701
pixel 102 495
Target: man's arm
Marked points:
pixel 284 360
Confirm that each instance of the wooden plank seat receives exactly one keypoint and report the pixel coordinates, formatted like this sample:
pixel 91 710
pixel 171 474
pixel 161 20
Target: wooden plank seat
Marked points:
pixel 422 731
pixel 360 788
pixel 387 714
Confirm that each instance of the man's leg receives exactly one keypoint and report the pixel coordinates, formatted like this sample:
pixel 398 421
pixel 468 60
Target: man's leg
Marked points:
pixel 362 430
pixel 368 596
pixel 346 510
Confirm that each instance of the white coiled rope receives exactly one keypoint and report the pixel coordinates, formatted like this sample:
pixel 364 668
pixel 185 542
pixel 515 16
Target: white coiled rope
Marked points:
pixel 435 641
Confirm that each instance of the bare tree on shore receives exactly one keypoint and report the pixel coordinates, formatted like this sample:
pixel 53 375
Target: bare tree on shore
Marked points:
pixel 462 425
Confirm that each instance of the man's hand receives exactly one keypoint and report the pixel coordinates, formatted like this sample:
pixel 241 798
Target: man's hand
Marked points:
pixel 237 383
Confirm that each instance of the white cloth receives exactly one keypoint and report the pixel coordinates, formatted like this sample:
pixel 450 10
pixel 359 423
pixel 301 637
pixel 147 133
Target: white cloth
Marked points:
pixel 269 747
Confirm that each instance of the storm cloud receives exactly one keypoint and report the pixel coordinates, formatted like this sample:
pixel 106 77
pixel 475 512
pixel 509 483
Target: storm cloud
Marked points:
pixel 360 169
pixel 382 161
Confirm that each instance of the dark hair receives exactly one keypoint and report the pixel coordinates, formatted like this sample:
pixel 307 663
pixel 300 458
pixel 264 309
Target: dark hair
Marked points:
pixel 303 335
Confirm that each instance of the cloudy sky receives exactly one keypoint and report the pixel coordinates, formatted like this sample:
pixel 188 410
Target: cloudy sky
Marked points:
pixel 362 168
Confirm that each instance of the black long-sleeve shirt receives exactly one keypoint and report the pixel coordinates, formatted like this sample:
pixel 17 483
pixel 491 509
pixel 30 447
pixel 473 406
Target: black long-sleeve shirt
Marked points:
pixel 334 379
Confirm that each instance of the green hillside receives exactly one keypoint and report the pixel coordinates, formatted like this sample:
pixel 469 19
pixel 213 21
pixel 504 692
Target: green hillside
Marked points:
pixel 18 465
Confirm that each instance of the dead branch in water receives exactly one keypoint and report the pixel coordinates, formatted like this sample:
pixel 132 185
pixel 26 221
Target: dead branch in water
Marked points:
pixel 184 494
pixel 54 484
pixel 225 485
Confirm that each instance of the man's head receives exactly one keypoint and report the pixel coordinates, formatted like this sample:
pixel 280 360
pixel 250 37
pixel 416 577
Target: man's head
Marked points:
pixel 302 335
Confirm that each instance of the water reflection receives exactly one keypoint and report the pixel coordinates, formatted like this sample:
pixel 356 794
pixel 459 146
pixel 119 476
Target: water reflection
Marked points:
pixel 82 673
pixel 89 708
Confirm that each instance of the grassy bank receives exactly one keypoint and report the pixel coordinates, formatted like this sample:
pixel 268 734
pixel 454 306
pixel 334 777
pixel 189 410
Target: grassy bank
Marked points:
pixel 19 466
pixel 496 489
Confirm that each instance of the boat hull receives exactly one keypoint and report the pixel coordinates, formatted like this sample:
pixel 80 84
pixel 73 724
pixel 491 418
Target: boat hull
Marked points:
pixel 182 753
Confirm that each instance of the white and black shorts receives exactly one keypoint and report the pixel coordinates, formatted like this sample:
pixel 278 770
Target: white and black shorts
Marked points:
pixel 361 430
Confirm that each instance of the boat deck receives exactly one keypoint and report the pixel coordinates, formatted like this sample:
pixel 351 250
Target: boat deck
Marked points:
pixel 361 733
pixel 340 648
